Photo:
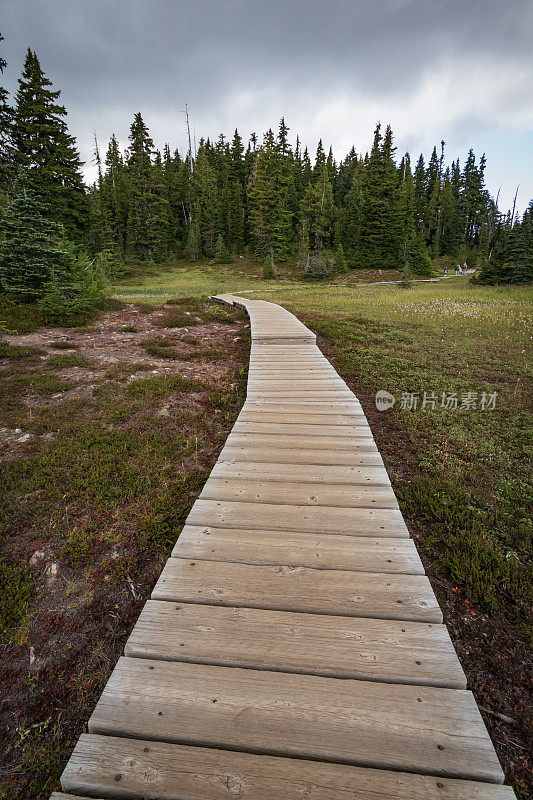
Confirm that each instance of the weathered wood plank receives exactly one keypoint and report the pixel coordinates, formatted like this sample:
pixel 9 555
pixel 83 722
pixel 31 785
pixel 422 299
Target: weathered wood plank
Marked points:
pixel 409 728
pixel 174 772
pixel 263 454
pixel 302 418
pixel 61 796
pixel 311 644
pixel 300 494
pixel 311 442
pixel 302 406
pixel 306 519
pixel 306 473
pixel 299 549
pixel 325 431
pixel 284 588
pixel 296 384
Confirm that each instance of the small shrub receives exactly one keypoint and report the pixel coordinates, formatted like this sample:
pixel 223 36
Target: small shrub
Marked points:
pixel 176 318
pixel 68 360
pixel 129 329
pixel 268 266
pixel 16 351
pixel 63 345
pixel 161 348
pixel 162 385
pixel 316 269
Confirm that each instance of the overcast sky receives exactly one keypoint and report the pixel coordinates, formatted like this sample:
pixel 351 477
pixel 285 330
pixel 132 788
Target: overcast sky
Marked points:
pixel 458 70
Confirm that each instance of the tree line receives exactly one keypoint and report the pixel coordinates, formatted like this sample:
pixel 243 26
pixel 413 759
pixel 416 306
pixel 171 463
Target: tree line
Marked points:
pixel 268 198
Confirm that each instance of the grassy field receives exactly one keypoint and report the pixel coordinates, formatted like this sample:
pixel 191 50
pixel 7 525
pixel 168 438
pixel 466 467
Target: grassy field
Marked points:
pixel 186 279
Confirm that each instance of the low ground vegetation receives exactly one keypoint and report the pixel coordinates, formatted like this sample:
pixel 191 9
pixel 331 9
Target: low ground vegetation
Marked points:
pixel 462 475
pixel 104 445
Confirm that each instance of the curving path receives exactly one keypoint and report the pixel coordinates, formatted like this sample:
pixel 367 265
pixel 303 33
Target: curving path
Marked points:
pixel 293 646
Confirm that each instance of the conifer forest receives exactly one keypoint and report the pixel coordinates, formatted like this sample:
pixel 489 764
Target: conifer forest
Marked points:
pixel 260 195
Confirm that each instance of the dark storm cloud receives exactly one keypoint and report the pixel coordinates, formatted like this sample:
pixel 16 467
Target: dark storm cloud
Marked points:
pixel 435 68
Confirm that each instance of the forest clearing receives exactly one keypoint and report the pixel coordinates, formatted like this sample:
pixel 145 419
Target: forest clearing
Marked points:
pixel 146 384
pixel 265 400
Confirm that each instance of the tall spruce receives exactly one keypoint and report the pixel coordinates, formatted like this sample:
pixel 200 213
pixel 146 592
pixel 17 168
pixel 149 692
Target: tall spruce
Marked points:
pixel 147 206
pixel 381 240
pixel 46 150
pixel 270 214
pixel 6 134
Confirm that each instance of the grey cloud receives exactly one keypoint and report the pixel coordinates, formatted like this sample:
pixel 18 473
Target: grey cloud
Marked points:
pixel 238 61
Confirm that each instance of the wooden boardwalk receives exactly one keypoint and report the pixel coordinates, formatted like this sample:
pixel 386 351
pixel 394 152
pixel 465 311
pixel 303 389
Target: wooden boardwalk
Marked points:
pixel 293 646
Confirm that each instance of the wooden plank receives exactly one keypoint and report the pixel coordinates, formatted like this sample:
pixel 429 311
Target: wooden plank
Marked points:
pixel 317 409
pixel 301 494
pixel 296 384
pixel 306 473
pixel 299 549
pixel 409 728
pixel 174 772
pixel 297 396
pixel 263 454
pixel 312 442
pixel 306 519
pixel 61 796
pixel 302 418
pixel 311 644
pixel 294 429
pixel 318 591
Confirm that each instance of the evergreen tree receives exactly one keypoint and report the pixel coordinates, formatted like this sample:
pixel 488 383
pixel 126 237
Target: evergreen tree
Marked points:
pixel 6 132
pixel 268 265
pixel 46 150
pixel 473 198
pixel 222 253
pixel 32 246
pixel 351 212
pixel 205 201
pixel 270 216
pixel 115 198
pixel 512 258
pixel 317 207
pixel 147 206
pixel 381 238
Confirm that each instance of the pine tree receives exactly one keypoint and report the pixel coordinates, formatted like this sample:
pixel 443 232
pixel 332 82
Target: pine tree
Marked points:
pixel 317 208
pixel 32 246
pixel 115 198
pixel 222 253
pixel 270 216
pixel 351 212
pixel 205 200
pixel 474 198
pixel 46 150
pixel 512 258
pixel 415 254
pixel 147 206
pixel 381 239
pixel 6 133
pixel 268 265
